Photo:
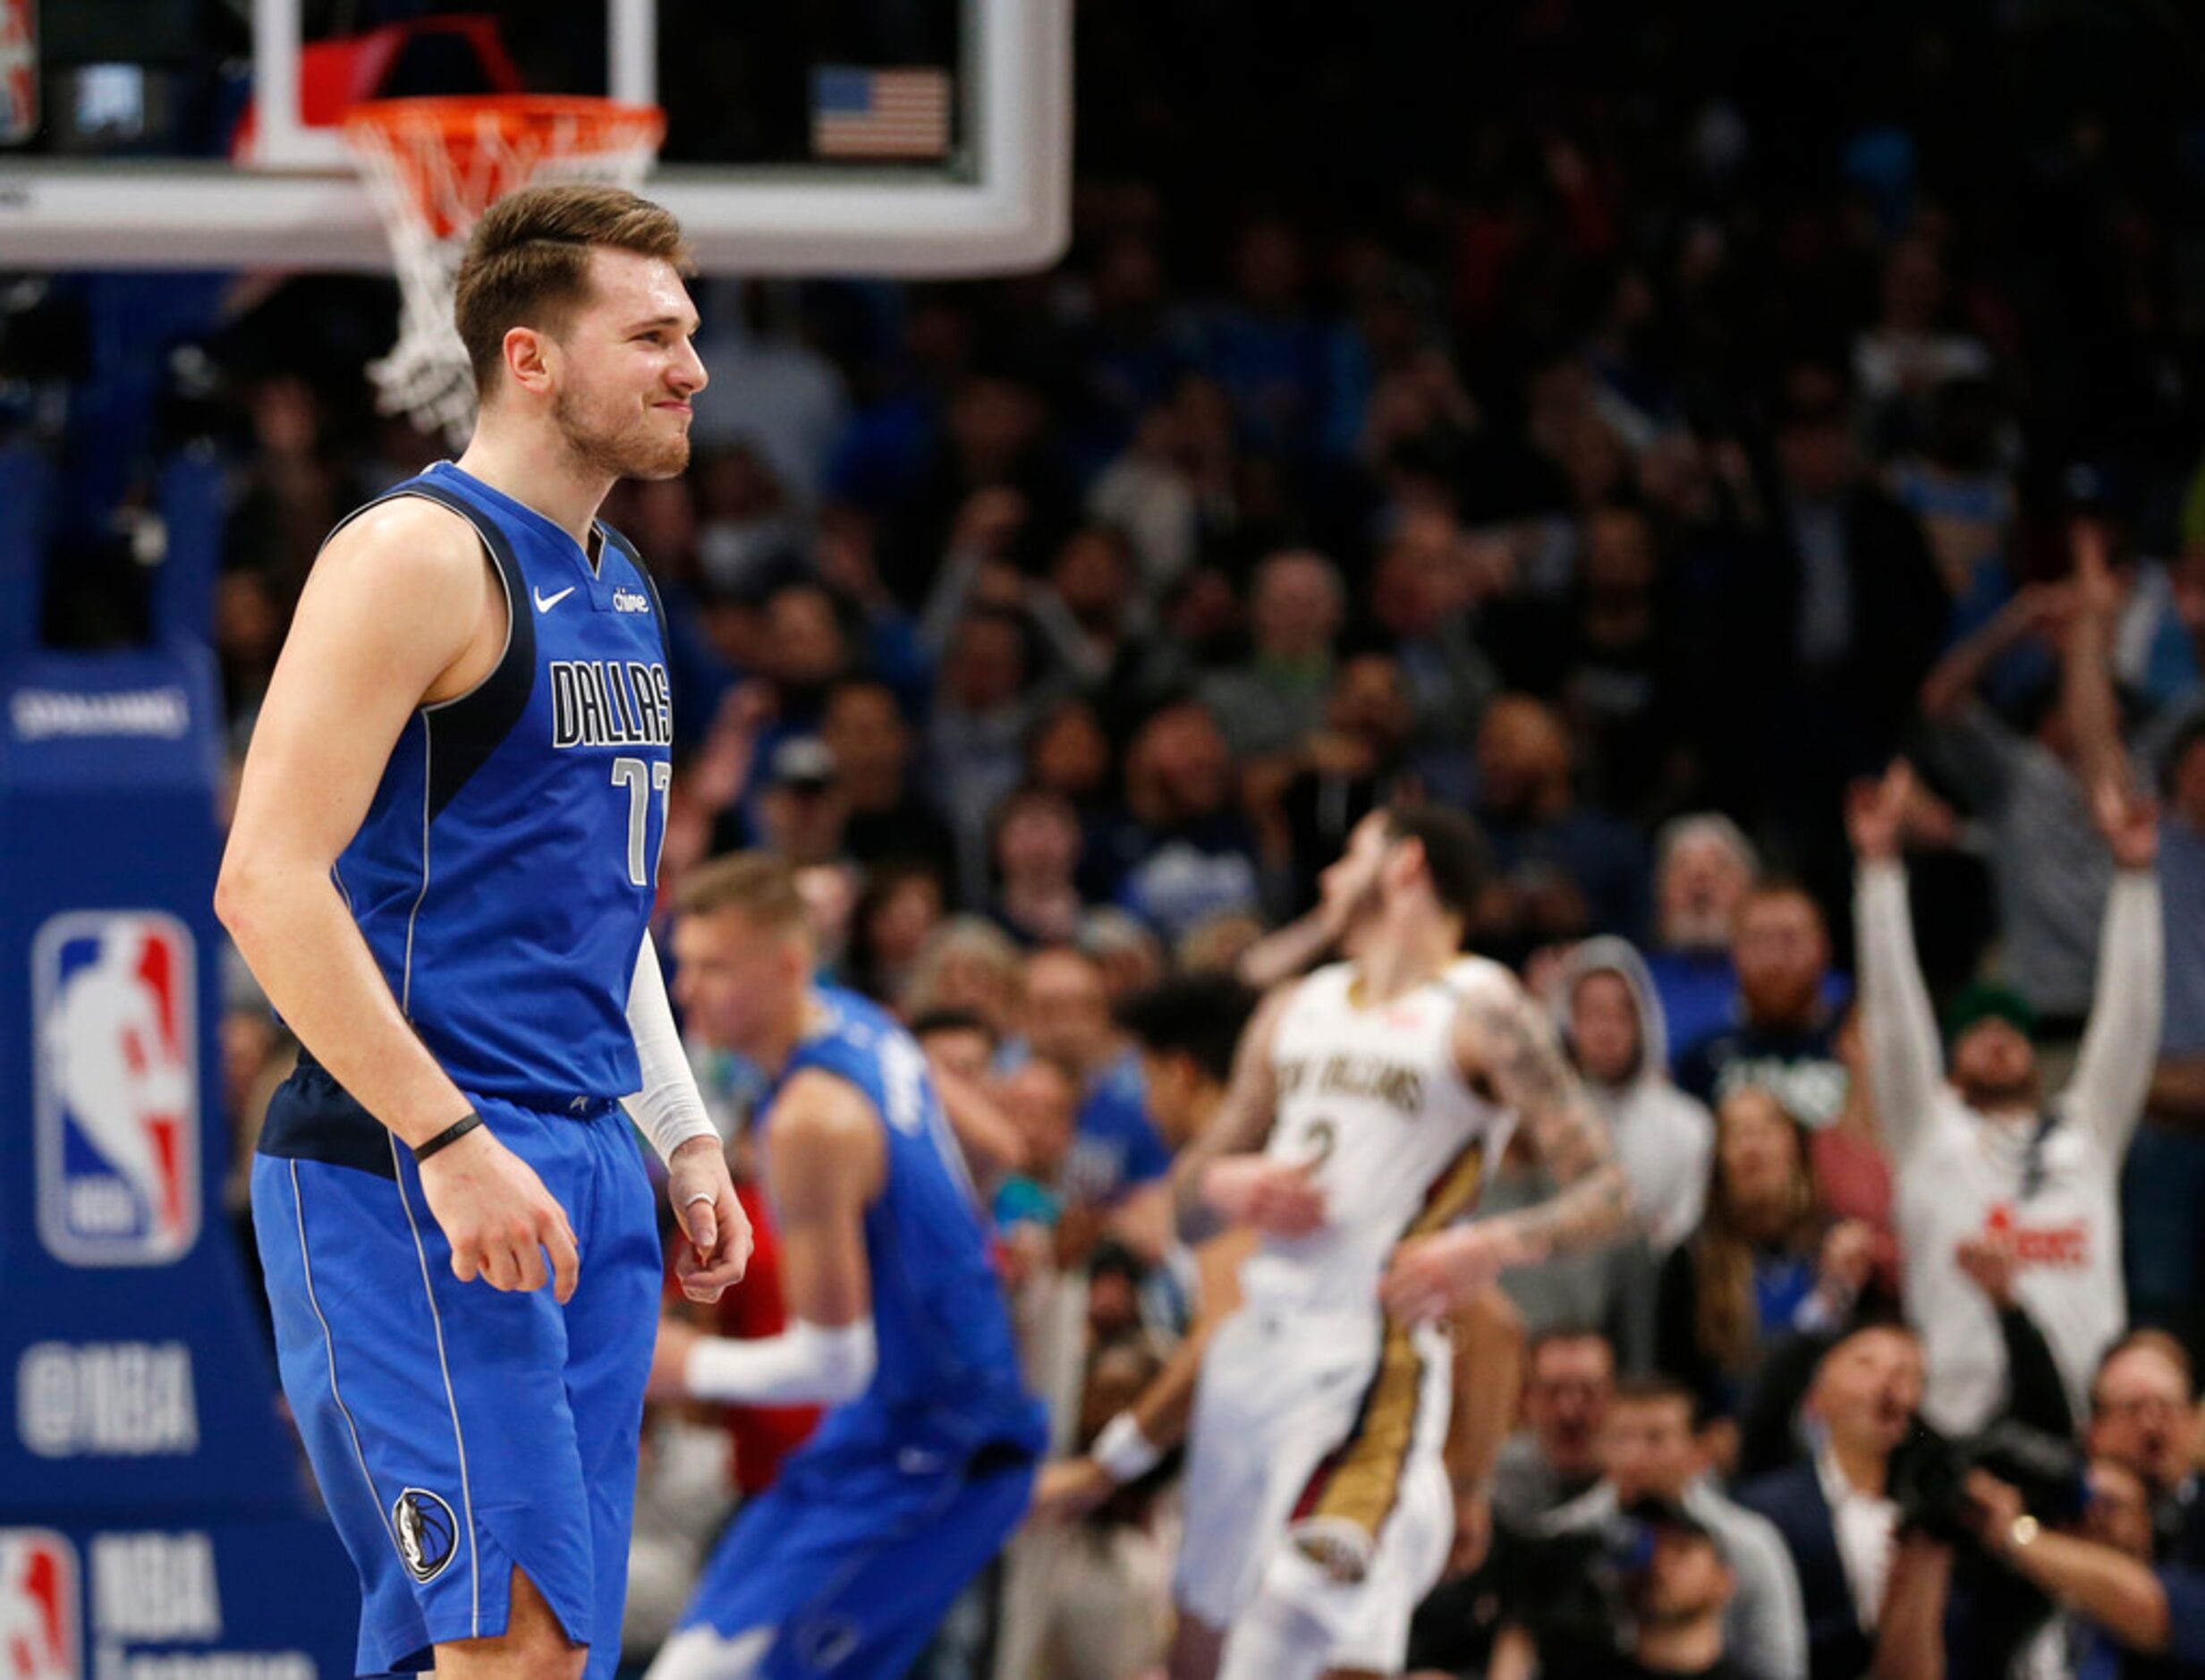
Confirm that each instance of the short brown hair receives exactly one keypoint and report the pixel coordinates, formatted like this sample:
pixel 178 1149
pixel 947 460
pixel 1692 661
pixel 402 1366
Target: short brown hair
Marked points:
pixel 527 262
pixel 1656 1389
pixel 2144 1340
pixel 760 884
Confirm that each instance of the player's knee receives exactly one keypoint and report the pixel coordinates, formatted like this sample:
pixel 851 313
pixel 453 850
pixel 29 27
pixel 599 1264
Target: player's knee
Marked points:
pixel 1310 1586
pixel 534 1646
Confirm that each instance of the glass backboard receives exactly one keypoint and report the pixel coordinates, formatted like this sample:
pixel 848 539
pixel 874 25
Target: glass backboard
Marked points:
pixel 915 136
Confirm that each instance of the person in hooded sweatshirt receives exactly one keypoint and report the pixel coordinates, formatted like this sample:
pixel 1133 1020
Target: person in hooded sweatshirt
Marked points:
pixel 1613 1022
pixel 1612 1018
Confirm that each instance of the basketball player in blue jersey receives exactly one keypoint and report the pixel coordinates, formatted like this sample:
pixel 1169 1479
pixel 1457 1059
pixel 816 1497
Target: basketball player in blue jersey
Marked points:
pixel 441 871
pixel 925 1463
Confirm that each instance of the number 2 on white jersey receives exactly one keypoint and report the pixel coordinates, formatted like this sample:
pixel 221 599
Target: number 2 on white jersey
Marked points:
pixel 639 778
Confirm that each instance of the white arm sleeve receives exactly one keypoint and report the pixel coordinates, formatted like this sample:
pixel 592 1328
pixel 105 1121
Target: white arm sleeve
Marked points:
pixel 807 1364
pixel 1906 1064
pixel 669 1108
pixel 2121 1046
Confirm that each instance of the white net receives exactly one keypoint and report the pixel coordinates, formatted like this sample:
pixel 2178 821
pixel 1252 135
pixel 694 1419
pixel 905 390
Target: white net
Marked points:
pixel 432 167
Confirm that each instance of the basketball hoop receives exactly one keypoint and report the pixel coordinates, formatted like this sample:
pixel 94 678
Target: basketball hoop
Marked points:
pixel 433 166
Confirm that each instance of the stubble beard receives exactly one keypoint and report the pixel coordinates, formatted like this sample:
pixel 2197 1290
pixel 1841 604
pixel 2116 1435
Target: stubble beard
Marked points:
pixel 623 451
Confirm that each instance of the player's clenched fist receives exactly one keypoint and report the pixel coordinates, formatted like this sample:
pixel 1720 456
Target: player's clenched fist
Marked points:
pixel 715 1247
pixel 498 1217
pixel 1273 1197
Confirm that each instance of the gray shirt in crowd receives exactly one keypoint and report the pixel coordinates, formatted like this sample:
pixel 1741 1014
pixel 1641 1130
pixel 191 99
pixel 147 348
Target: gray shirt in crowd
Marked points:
pixel 1527 1488
pixel 2048 868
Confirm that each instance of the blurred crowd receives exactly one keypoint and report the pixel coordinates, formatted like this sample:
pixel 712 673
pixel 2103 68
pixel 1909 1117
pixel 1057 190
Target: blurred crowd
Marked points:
pixel 1641 425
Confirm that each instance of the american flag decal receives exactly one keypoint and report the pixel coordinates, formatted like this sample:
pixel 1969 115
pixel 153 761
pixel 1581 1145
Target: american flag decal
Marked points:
pixel 899 113
pixel 18 71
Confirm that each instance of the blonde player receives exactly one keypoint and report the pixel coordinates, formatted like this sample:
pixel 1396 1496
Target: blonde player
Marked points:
pixel 1366 1100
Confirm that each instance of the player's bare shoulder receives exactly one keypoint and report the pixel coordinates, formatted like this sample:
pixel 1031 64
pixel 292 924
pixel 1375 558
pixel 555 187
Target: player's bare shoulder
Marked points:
pixel 408 541
pixel 824 1137
pixel 412 571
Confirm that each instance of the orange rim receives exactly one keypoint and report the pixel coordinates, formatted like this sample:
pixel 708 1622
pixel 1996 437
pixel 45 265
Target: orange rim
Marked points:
pixel 533 128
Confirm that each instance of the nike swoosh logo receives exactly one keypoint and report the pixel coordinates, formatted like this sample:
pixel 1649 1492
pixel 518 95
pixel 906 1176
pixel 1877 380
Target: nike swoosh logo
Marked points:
pixel 545 603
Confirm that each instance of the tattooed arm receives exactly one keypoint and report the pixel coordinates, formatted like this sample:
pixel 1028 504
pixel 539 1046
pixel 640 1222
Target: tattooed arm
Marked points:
pixel 1507 1050
pixel 1216 1175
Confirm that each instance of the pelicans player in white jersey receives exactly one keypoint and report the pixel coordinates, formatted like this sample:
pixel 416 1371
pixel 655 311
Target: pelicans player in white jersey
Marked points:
pixel 1366 1100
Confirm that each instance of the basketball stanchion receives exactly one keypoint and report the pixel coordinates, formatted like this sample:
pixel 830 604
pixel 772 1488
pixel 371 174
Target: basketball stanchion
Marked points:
pixel 154 1516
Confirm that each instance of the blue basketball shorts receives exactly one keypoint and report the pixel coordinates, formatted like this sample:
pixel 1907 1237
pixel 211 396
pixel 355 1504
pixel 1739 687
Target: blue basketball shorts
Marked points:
pixel 846 1566
pixel 458 1432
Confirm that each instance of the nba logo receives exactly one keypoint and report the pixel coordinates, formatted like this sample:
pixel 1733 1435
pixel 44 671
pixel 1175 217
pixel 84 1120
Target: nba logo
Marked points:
pixel 117 1036
pixel 38 1638
pixel 18 71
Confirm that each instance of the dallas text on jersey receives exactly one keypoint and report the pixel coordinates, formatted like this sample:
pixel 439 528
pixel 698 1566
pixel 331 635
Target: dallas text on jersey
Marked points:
pixel 605 703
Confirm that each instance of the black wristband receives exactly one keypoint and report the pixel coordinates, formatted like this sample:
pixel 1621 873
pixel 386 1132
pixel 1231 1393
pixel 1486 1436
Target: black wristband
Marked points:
pixel 452 1133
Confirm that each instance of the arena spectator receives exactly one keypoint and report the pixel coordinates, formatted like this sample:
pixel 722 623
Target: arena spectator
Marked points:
pixel 1616 656
pixel 864 728
pixel 1569 1382
pixel 1275 699
pixel 1980 1148
pixel 1842 617
pixel 1704 866
pixel 1036 846
pixel 1180 850
pixel 1648 1452
pixel 895 915
pixel 967 962
pixel 1684 1604
pixel 976 739
pixel 2022 781
pixel 1612 1017
pixel 2143 1416
pixel 1766 1260
pixel 1066 1021
pixel 1425 584
pixel 1836 1511
pixel 1784 1034
pixel 801 809
pixel 1337 775
pixel 1562 869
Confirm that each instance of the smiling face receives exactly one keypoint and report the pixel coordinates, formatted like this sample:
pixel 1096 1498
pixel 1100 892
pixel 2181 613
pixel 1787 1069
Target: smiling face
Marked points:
pixel 620 368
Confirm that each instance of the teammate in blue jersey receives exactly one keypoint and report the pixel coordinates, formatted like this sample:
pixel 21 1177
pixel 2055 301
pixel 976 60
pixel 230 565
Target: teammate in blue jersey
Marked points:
pixel 441 871
pixel 925 1463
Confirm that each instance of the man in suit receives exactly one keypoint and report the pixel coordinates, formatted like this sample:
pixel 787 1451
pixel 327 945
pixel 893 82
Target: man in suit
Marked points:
pixel 1835 1510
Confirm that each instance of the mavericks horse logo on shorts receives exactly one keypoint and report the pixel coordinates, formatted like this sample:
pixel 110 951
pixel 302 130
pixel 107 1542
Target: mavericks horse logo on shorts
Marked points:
pixel 427 1532
pixel 117 1087
pixel 39 1630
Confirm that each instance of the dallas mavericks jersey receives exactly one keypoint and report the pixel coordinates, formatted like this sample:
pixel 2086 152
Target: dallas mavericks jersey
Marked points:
pixel 505 872
pixel 948 1366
